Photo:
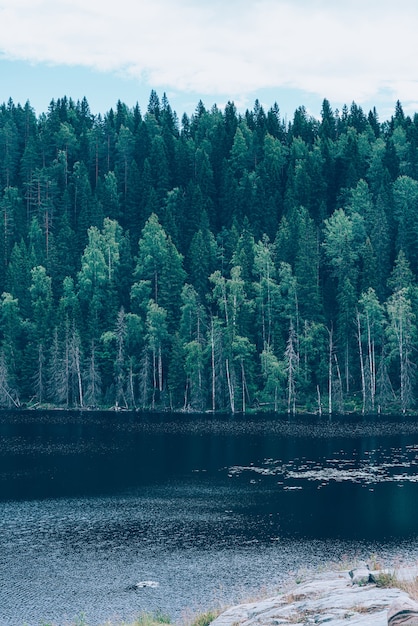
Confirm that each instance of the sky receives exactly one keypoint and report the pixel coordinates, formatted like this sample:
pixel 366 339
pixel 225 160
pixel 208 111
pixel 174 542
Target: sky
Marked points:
pixel 291 52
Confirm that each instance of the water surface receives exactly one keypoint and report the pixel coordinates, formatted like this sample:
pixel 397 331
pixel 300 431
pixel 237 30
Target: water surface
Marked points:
pixel 211 509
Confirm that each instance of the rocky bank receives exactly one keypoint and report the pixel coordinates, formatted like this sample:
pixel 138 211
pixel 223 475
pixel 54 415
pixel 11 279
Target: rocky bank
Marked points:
pixel 335 598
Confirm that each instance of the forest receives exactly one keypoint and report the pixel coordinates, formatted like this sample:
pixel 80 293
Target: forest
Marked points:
pixel 221 262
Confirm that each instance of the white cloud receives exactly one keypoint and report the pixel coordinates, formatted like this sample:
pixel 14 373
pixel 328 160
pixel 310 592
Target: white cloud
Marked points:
pixel 342 51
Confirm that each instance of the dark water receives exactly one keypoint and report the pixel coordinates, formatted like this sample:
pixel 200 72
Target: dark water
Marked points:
pixel 211 509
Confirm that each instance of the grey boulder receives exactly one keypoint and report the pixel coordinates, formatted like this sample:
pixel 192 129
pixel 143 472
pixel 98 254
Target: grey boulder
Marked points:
pixel 403 612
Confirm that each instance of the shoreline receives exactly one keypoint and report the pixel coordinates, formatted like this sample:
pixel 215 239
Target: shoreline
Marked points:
pixel 332 597
pixel 221 414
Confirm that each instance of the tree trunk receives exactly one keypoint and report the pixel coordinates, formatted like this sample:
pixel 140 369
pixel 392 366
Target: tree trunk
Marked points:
pixel 243 385
pixel 331 349
pixel 212 348
pixel 160 369
pixel 230 387
pixel 78 370
pixel 319 400
pixel 360 349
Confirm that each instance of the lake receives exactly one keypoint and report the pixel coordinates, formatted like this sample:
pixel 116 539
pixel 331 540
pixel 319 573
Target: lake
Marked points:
pixel 210 509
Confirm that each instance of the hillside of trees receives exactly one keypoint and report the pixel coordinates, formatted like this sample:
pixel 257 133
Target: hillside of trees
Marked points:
pixel 220 262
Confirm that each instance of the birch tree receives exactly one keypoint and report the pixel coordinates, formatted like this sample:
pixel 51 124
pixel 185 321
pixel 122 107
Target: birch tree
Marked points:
pixel 160 266
pixel 344 236
pixel 193 327
pixel 402 337
pixel 157 336
pixel 370 334
pixel 40 331
pixel 274 375
pixel 11 329
pixel 230 296
pixel 265 289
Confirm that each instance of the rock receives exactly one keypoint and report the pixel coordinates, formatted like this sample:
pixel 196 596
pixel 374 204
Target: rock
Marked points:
pixel 403 612
pixel 409 573
pixel 147 583
pixel 360 576
pixel 328 598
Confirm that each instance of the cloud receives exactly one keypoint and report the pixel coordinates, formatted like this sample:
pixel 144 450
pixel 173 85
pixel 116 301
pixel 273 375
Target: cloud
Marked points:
pixel 348 51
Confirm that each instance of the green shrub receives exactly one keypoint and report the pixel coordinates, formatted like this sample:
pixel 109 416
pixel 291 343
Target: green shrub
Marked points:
pixel 204 619
pixel 385 579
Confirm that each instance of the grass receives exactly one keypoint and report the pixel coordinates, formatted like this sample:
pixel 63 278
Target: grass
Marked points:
pixel 410 587
pixel 385 579
pixel 204 619
pixel 390 578
pixel 151 620
pixel 156 619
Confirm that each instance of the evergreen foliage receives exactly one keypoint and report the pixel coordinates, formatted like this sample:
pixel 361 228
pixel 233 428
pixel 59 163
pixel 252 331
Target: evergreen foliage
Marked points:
pixel 223 263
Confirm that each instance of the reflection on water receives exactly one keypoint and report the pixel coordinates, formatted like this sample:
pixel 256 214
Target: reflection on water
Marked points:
pixel 210 509
pixel 373 467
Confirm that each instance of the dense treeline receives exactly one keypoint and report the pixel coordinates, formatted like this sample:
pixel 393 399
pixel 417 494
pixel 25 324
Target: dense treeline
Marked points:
pixel 219 262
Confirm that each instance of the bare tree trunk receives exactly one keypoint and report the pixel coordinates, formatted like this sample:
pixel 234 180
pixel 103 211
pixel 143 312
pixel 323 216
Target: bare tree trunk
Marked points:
pixel 6 393
pixel 92 380
pixel 131 384
pixel 347 372
pixel 243 385
pixel 269 312
pixel 319 400
pixel 402 363
pixel 186 395
pixel 154 376
pixel 212 347
pixel 230 387
pixel 360 349
pixel 160 368
pixel 144 379
pixel 292 361
pixel 263 325
pixel 340 383
pixel 78 371
pixel 39 376
pixel 331 349
pixel 67 368
pixel 372 372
